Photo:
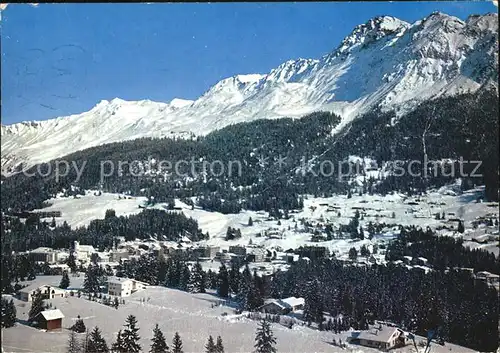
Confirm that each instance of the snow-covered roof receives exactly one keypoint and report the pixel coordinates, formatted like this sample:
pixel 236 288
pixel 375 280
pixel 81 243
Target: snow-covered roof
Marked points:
pixel 383 334
pixel 293 301
pixel 286 303
pixel 42 250
pixel 119 280
pixel 53 314
pixel 113 279
pixel 36 286
pixel 86 248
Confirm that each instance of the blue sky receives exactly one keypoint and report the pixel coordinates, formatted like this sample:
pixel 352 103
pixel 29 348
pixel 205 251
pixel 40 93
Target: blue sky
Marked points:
pixel 62 59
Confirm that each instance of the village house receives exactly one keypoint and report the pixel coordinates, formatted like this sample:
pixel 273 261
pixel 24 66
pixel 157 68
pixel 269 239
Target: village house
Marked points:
pixel 49 319
pixel 43 254
pixel 257 255
pixel 238 250
pixel 83 252
pixel 282 306
pixel 123 287
pixel 209 252
pixel 58 269
pixel 381 337
pixel 313 252
pixel 48 292
pixel 118 255
pixel 487 277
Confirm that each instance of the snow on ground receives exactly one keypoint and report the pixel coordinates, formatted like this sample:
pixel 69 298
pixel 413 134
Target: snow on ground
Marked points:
pixel 76 281
pixel 415 210
pixel 80 211
pixel 191 315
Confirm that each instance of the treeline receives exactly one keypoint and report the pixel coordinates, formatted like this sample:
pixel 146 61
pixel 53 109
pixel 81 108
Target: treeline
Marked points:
pixel 101 233
pixel 464 310
pixel 441 252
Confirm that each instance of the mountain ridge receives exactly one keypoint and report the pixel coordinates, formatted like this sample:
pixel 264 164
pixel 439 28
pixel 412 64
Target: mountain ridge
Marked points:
pixel 385 62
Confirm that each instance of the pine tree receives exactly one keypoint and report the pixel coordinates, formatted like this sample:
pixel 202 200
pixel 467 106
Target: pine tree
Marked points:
pixel 64 280
pixel 37 306
pixel 130 336
pixel 184 277
pixel 219 347
pixel 91 281
pixel 223 282
pixel 250 221
pixel 8 313
pixel 159 344
pixel 461 228
pixel 197 279
pixel 177 344
pixel 71 261
pixel 73 344
pixel 97 343
pixel 264 339
pixel 118 345
pixel 210 346
pixel 79 326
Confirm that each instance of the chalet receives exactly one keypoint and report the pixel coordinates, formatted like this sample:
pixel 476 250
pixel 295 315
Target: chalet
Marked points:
pixel 238 250
pixel 123 287
pixel 43 255
pixel 282 306
pixel 487 277
pixel 48 292
pixel 313 252
pixel 381 337
pixel 422 261
pixel 50 319
pixel 58 269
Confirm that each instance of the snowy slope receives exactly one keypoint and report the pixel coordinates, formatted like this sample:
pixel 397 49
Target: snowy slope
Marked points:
pixel 385 62
pixel 194 316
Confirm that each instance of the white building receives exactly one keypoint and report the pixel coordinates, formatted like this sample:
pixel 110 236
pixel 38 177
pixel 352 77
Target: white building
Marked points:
pixel 282 306
pixel 48 292
pixel 43 254
pixel 123 287
pixel 83 252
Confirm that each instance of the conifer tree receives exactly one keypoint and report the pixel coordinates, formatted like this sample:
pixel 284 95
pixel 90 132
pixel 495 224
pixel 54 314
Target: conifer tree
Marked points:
pixel 97 343
pixel 73 344
pixel 197 279
pixel 223 282
pixel 264 339
pixel 37 306
pixel 177 344
pixel 210 346
pixel 130 335
pixel 8 313
pixel 219 347
pixel 79 326
pixel 159 344
pixel 64 280
pixel 118 346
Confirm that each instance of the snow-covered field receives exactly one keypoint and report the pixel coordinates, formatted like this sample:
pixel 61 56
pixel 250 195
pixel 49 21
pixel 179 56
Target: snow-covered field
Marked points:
pixel 191 315
pixel 416 210
pixel 80 211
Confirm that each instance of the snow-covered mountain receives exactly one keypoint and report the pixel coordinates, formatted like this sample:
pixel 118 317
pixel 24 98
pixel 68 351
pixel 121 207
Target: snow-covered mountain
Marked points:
pixel 385 62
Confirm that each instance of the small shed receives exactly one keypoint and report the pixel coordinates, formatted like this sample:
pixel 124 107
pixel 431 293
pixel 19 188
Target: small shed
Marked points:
pixel 50 319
